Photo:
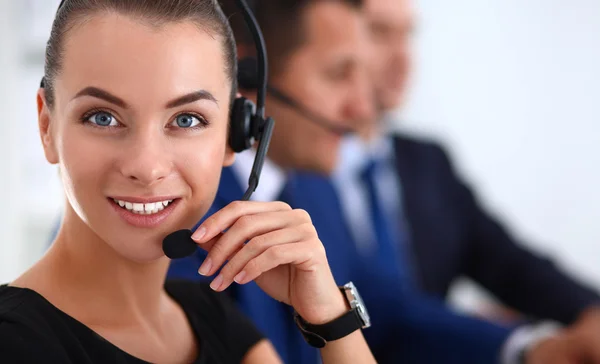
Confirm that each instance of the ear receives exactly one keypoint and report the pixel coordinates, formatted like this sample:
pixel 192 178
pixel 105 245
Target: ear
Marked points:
pixel 45 126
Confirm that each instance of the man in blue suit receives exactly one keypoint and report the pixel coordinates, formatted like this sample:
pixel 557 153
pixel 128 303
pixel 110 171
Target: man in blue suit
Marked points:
pixel 439 230
pixel 318 77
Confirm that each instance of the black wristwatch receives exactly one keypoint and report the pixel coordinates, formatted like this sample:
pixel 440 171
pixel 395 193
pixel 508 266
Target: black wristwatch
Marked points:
pixel 355 319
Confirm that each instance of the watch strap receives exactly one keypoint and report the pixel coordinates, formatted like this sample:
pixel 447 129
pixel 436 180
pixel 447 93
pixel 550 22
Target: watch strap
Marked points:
pixel 319 335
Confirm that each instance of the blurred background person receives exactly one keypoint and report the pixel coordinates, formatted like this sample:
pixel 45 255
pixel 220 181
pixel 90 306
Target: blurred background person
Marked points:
pixel 430 220
pixel 450 233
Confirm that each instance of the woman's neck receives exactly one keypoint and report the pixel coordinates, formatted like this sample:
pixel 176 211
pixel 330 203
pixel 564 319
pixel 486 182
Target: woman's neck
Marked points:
pixel 83 276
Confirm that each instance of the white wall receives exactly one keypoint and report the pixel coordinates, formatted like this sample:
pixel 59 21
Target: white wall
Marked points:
pixel 514 88
pixel 10 247
pixel 31 191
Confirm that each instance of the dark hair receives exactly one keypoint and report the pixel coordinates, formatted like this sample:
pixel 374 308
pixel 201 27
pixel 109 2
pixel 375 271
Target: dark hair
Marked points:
pixel 282 23
pixel 206 14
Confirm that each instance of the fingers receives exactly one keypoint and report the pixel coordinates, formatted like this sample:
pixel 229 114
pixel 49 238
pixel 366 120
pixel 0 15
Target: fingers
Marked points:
pixel 260 245
pixel 245 267
pixel 224 218
pixel 246 228
pixel 302 254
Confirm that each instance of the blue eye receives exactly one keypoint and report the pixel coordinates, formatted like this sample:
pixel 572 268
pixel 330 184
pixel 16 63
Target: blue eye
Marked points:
pixel 102 118
pixel 186 121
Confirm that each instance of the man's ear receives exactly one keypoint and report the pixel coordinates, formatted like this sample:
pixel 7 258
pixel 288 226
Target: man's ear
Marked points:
pixel 45 126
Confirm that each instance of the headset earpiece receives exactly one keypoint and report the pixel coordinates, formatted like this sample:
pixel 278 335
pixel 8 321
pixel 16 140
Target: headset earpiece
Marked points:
pixel 242 131
pixel 241 135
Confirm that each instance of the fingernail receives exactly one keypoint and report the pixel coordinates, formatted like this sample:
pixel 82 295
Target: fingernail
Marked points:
pixel 239 279
pixel 205 267
pixel 216 283
pixel 199 234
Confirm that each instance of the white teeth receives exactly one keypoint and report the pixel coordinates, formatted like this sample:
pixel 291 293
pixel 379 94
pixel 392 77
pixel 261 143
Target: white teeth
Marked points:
pixel 144 209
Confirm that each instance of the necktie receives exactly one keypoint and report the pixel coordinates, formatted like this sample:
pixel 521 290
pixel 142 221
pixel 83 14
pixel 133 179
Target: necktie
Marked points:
pixel 390 262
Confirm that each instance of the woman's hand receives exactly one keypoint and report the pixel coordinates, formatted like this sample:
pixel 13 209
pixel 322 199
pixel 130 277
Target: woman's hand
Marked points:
pixel 277 247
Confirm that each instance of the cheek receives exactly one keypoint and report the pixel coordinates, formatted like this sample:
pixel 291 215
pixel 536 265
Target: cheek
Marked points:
pixel 201 171
pixel 85 163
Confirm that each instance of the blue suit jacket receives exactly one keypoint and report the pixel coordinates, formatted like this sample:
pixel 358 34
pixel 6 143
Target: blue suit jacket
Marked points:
pixel 406 327
pixel 451 235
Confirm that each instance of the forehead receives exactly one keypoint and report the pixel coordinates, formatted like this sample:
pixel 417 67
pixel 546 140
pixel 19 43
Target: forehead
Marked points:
pixel 334 29
pixel 127 55
pixel 393 13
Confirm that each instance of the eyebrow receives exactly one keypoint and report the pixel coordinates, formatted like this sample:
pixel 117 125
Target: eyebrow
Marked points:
pixel 180 101
pixel 103 95
pixel 192 97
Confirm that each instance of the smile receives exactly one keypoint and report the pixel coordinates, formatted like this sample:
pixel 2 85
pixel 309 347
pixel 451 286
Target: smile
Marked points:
pixel 143 208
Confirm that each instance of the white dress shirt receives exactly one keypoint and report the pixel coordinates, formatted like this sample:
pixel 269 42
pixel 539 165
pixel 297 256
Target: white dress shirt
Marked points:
pixel 272 178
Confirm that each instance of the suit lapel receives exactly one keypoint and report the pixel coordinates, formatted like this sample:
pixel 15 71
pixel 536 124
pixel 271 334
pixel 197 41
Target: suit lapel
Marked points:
pixel 410 197
pixel 317 195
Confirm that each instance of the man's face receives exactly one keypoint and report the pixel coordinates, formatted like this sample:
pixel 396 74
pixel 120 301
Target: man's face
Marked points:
pixel 327 74
pixel 390 24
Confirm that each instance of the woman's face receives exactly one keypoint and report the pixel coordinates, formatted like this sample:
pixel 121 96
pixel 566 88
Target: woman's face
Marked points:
pixel 138 128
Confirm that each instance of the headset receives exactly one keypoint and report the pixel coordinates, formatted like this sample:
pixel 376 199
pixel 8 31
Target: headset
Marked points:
pixel 247 126
pixel 248 79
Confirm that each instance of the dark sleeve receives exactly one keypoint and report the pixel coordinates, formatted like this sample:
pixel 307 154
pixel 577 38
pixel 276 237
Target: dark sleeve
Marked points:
pixel 527 281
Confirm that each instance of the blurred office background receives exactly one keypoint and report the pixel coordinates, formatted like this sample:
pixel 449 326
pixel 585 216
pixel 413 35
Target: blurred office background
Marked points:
pixel 513 87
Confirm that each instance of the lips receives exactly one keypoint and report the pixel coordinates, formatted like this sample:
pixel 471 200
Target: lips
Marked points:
pixel 144 212
pixel 143 208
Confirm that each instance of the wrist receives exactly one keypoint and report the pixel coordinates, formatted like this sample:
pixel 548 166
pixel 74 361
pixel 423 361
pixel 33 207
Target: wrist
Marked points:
pixel 346 314
pixel 523 342
pixel 336 307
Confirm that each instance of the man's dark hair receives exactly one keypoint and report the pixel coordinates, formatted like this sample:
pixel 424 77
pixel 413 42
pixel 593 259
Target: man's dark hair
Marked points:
pixel 282 23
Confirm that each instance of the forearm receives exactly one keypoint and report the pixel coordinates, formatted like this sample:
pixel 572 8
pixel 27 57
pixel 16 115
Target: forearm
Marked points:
pixel 350 349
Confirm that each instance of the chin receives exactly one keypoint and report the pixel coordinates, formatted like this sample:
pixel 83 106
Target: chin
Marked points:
pixel 137 249
pixel 324 166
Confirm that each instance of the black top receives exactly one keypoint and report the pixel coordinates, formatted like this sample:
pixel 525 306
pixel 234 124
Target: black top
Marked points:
pixel 32 330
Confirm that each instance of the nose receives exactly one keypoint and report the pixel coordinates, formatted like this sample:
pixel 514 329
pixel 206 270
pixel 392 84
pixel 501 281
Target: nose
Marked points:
pixel 360 105
pixel 145 161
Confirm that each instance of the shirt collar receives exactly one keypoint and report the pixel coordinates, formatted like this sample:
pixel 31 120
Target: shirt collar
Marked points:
pixel 272 177
pixel 355 154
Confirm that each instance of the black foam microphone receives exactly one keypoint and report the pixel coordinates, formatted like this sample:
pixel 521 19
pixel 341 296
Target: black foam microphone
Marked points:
pixel 180 244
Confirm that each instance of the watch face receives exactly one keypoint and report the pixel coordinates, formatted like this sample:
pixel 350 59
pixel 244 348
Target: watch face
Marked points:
pixel 357 302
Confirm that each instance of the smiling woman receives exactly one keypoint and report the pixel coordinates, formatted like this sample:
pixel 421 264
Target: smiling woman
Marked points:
pixel 134 110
